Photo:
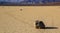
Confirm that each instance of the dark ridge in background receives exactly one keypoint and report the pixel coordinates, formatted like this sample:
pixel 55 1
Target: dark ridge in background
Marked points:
pixel 31 3
pixel 15 4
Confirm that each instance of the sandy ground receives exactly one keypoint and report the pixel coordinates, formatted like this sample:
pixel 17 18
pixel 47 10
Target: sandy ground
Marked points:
pixel 21 19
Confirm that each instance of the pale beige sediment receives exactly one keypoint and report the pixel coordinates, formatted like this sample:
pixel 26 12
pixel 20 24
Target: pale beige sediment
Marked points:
pixel 15 20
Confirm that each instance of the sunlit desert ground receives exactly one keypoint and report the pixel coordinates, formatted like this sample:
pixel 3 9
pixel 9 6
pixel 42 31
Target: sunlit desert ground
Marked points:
pixel 21 19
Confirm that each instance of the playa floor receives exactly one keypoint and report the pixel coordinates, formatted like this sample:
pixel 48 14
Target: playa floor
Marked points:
pixel 21 19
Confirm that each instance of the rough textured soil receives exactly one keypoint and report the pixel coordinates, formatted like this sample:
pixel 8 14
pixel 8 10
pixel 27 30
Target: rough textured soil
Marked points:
pixel 21 19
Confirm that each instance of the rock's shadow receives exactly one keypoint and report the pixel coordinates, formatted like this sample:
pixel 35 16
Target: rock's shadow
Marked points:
pixel 49 28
